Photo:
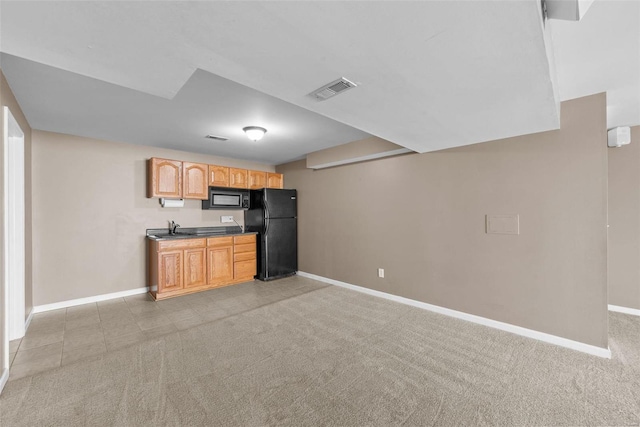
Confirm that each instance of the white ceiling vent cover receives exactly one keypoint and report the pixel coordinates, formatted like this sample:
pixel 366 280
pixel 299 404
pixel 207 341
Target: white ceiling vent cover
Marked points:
pixel 332 89
pixel 217 138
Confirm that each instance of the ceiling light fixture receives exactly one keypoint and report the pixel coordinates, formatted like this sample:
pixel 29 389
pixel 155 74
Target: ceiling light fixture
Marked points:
pixel 255 133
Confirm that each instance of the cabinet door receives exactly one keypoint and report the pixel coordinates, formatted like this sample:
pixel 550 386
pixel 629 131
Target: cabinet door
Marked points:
pixel 218 176
pixel 238 178
pixel 257 179
pixel 275 180
pixel 195 179
pixel 164 178
pixel 245 270
pixel 195 267
pixel 219 265
pixel 170 271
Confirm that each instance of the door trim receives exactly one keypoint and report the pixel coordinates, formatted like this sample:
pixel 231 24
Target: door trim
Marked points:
pixel 13 243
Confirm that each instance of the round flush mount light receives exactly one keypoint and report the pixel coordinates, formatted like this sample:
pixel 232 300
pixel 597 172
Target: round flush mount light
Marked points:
pixel 254 133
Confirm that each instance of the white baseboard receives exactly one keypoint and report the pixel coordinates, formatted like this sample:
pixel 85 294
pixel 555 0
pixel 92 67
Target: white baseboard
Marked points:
pixel 518 330
pixel 87 300
pixel 29 319
pixel 3 379
pixel 625 310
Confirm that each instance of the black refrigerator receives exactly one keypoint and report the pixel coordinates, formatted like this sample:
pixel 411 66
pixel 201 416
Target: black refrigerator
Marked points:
pixel 273 214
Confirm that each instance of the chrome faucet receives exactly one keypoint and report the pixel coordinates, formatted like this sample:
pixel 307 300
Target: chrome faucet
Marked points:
pixel 173 227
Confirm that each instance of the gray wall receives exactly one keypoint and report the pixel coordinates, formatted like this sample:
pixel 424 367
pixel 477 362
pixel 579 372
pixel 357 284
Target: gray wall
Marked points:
pixel 624 223
pixel 421 217
pixel 90 213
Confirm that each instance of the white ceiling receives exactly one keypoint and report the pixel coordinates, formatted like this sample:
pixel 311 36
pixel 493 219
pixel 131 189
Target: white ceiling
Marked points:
pixel 431 74
pixel 65 102
pixel 601 53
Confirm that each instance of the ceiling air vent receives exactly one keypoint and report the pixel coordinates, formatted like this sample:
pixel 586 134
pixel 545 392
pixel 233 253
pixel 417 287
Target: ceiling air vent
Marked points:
pixel 217 138
pixel 332 89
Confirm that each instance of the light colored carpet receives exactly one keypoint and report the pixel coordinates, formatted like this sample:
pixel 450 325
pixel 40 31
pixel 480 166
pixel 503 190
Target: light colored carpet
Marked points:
pixel 330 356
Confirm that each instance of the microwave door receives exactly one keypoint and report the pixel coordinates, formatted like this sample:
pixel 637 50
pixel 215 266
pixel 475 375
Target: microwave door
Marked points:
pixel 226 200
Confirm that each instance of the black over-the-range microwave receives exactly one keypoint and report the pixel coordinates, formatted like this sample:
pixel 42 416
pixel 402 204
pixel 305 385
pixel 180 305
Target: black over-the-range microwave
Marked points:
pixel 226 198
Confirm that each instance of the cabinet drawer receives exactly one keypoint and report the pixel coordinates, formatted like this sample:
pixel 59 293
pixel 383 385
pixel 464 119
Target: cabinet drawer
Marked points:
pixel 248 247
pixel 217 242
pixel 181 244
pixel 245 256
pixel 238 240
pixel 245 269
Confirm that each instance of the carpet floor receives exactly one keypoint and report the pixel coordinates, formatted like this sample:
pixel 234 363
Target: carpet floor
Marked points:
pixel 330 356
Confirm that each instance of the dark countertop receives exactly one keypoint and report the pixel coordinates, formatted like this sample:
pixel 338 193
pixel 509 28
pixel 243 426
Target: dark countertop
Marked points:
pixel 195 233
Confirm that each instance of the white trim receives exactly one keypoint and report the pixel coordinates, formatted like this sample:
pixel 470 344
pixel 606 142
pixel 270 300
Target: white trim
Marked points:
pixel 362 158
pixel 518 330
pixel 14 223
pixel 87 300
pixel 4 280
pixel 28 322
pixel 4 378
pixel 625 310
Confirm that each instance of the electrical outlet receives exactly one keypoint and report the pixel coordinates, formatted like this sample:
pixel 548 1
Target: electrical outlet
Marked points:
pixel 225 218
pixel 381 272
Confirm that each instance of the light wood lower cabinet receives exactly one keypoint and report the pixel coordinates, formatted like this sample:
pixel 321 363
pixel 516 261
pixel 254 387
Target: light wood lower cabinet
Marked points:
pixel 183 266
pixel 170 279
pixel 195 268
pixel 220 264
pixel 244 257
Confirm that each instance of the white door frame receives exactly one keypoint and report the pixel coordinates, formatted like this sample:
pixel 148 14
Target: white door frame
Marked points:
pixel 13 282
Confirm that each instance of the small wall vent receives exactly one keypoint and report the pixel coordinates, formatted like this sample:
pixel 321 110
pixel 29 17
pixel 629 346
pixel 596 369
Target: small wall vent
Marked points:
pixel 217 138
pixel 332 89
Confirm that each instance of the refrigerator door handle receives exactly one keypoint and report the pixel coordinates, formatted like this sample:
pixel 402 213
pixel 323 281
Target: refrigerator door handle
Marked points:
pixel 266 208
pixel 266 216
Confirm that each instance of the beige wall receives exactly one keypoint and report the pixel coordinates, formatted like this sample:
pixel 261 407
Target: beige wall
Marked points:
pixel 624 223
pixel 7 99
pixel 422 219
pixel 90 213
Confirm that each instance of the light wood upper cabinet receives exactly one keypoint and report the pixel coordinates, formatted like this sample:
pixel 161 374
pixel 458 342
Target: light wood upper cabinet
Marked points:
pixel 238 178
pixel 170 271
pixel 218 176
pixel 195 180
pixel 195 268
pixel 177 180
pixel 257 179
pixel 164 178
pixel 275 180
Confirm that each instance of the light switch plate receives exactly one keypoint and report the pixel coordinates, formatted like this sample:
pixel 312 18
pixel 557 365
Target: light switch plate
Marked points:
pixel 503 224
pixel 225 218
pixel 381 272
